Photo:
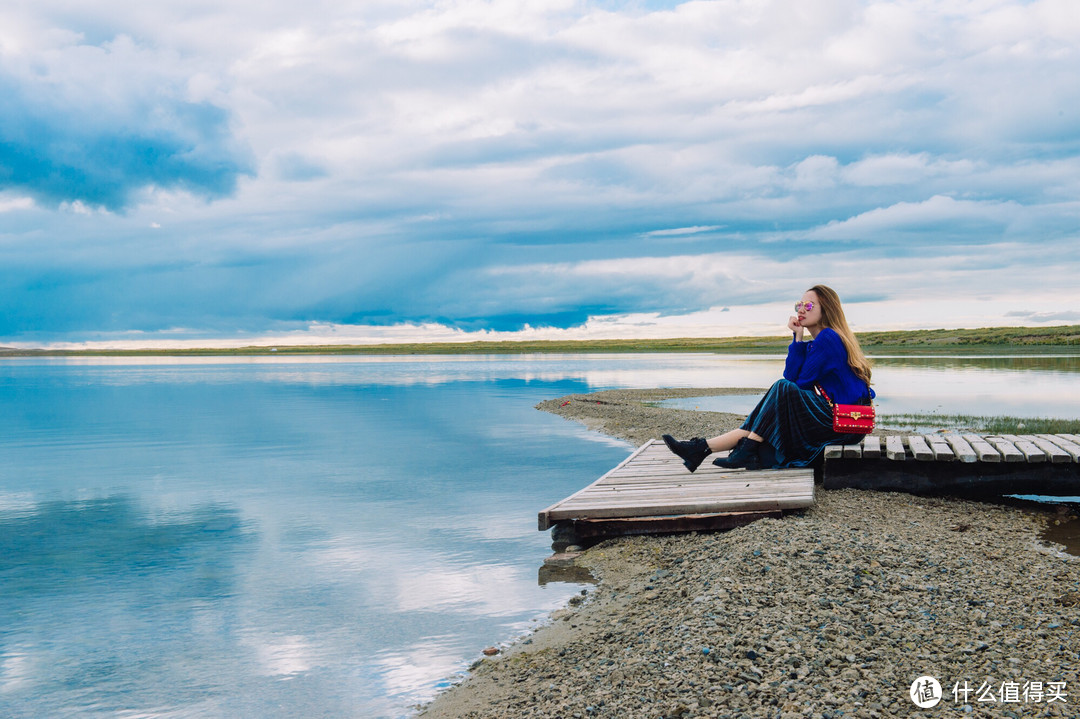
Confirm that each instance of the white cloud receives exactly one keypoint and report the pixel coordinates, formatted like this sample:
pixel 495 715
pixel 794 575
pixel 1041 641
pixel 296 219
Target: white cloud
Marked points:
pixel 927 216
pixel 544 134
pixel 904 169
pixel 7 204
pixel 679 231
pixel 817 172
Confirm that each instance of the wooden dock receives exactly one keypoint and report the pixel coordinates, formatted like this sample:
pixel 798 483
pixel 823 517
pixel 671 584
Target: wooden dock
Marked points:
pixel 955 463
pixel 651 492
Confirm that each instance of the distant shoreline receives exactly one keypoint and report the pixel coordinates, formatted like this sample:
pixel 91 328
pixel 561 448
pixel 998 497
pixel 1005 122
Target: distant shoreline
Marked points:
pixel 1006 340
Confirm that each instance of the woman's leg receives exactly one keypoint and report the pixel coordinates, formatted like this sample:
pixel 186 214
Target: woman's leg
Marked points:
pixel 745 448
pixel 794 422
pixel 694 451
pixel 728 440
pixel 748 442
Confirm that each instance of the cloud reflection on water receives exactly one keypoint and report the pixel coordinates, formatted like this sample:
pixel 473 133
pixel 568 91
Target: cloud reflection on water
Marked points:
pixel 594 370
pixel 87 580
pixel 285 656
pixel 403 669
pixel 478 589
pixel 291 534
pixel 111 544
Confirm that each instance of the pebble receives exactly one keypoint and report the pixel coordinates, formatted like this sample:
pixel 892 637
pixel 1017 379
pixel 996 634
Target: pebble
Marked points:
pixel 865 592
pixel 748 644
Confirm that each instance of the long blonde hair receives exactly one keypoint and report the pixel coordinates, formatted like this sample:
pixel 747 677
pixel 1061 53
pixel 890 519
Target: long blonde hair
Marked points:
pixel 832 315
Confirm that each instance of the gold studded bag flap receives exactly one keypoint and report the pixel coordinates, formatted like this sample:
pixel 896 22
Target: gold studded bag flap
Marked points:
pixel 853 418
pixel 850 418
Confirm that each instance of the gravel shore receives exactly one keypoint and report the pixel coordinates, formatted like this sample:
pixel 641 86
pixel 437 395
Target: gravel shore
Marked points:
pixel 833 612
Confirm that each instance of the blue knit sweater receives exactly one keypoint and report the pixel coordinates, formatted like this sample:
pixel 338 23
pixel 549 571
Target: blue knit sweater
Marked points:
pixel 824 361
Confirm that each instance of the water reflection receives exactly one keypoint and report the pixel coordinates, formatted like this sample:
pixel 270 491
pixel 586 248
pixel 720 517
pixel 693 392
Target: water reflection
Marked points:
pixel 1021 385
pixel 258 545
pixel 308 536
pixel 112 544
pixel 990 386
pixel 87 583
pixel 284 656
pixel 476 589
pixel 406 667
pixel 551 573
pixel 1049 363
pixel 595 371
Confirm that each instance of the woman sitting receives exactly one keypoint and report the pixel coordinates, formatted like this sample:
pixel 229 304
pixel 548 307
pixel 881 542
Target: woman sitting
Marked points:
pixel 793 422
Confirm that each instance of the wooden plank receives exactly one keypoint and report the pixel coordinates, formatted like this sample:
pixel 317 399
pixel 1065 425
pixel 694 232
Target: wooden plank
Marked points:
pixel 920 449
pixel 983 449
pixel 544 517
pixel 1073 448
pixel 632 506
pixel 961 448
pixel 655 457
pixel 704 489
pixel 672 464
pixel 1031 453
pixel 1056 454
pixel 680 474
pixel 1075 438
pixel 1008 450
pixel 894 448
pixel 680 504
pixel 702 493
pixel 852 451
pixel 834 451
pixel 621 526
pixel 682 480
pixel 654 509
pixel 871 446
pixel 674 472
pixel 941 449
pixel 730 481
pixel 652 482
pixel 655 452
pixel 731 478
pixel 706 470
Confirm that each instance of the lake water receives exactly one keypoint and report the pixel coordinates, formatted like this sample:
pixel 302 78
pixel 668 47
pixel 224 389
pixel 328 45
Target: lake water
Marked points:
pixel 317 536
pixel 1020 386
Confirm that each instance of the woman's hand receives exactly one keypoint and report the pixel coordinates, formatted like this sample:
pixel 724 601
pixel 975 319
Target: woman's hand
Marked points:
pixel 795 327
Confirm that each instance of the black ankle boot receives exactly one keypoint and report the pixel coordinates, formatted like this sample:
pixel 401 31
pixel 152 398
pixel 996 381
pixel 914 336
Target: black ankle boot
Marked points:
pixel 744 456
pixel 693 451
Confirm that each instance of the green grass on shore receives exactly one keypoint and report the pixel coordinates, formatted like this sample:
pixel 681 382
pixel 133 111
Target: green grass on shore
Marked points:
pixel 993 339
pixel 979 424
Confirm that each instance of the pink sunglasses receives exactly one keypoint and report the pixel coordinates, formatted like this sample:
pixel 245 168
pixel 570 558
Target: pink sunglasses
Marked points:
pixel 801 306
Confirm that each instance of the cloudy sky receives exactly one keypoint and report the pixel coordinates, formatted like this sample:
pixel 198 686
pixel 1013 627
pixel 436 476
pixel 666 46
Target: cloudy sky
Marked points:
pixel 361 170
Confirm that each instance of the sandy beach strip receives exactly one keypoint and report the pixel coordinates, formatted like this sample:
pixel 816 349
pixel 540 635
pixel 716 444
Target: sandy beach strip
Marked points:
pixel 832 612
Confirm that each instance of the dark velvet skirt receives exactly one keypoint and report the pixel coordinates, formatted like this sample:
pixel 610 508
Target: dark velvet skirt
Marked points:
pixel 796 425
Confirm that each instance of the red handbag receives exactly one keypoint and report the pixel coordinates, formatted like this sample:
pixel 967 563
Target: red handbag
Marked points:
pixel 850 418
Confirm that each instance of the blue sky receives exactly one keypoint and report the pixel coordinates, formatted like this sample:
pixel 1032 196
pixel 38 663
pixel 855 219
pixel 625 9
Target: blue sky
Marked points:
pixel 230 172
